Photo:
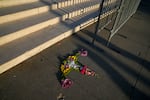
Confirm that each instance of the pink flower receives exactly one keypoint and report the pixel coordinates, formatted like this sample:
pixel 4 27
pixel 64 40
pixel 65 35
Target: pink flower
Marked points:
pixel 67 83
pixel 86 71
pixel 83 53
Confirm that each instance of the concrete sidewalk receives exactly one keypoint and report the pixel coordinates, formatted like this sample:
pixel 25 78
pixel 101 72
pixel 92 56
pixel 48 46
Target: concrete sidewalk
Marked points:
pixel 123 67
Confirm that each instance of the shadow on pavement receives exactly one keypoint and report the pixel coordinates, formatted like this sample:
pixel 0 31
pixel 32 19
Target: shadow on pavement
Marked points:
pixel 116 76
pixel 144 6
pixel 122 52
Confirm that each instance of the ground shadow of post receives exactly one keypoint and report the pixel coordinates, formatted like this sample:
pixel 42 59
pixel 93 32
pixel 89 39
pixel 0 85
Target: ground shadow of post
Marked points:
pixel 116 77
pixel 124 53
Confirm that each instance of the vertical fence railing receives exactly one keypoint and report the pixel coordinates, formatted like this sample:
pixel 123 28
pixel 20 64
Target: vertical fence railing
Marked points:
pixel 98 22
pixel 105 7
pixel 126 10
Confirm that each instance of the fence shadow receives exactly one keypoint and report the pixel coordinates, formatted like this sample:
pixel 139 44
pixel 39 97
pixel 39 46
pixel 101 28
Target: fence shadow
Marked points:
pixel 116 76
pixel 119 50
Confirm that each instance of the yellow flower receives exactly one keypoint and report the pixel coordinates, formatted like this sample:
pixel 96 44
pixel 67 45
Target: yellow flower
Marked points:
pixel 62 67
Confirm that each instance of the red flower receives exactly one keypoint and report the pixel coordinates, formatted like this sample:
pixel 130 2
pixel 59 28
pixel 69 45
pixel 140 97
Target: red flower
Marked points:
pixel 83 70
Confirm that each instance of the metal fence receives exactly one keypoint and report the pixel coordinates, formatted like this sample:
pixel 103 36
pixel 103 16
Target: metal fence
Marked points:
pixel 125 9
pixel 116 11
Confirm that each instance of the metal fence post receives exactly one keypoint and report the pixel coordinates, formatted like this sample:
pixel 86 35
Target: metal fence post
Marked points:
pixel 98 22
pixel 116 21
